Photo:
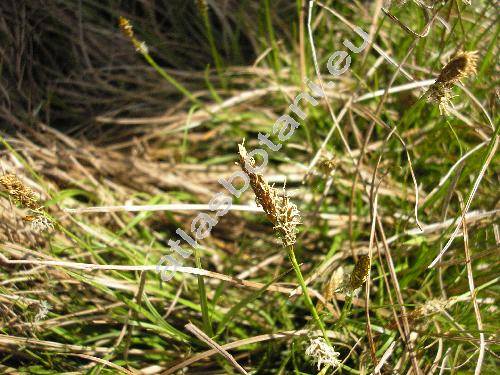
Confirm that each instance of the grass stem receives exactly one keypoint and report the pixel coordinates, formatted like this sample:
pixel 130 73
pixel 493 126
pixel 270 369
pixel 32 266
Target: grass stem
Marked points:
pixel 307 298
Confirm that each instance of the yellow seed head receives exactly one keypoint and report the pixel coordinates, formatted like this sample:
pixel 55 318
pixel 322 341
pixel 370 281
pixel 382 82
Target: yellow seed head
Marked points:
pixel 126 27
pixel 22 194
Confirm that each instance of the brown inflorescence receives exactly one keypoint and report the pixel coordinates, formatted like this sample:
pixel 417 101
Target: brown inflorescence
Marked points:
pixel 126 27
pixel 277 206
pixel 26 198
pixel 22 194
pixel 128 31
pixel 327 165
pixel 360 272
pixel 461 66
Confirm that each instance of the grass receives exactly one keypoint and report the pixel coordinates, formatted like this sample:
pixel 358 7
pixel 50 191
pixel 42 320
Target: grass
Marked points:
pixel 89 122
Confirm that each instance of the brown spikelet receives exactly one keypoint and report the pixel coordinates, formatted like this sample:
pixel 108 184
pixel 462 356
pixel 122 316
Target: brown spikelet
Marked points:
pixel 126 27
pixel 360 272
pixel 278 207
pixel 22 194
pixel 462 65
pixel 128 31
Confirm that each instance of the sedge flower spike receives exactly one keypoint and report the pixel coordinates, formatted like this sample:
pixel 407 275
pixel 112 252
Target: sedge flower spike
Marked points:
pixel 128 31
pixel 20 193
pixel 41 224
pixel 321 353
pixel 25 197
pixel 461 66
pixel 360 272
pixel 351 283
pixel 279 209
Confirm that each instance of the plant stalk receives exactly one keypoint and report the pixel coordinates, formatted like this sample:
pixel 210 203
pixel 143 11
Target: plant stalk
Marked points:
pixel 305 293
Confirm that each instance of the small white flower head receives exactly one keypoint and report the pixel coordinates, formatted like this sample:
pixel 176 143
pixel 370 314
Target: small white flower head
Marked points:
pixel 322 354
pixel 142 48
pixel 43 310
pixel 40 224
pixel 441 94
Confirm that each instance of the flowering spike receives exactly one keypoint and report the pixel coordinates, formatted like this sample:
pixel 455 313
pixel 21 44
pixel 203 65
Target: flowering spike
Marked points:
pixel 279 209
pixel 22 194
pixel 322 353
pixel 461 66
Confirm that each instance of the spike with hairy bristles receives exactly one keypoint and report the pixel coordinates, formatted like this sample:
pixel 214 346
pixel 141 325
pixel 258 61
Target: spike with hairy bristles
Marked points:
pixel 26 198
pixel 277 206
pixel 40 224
pixel 461 66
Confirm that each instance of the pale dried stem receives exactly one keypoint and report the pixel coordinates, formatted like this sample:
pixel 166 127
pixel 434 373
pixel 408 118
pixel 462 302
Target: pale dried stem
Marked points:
pixel 387 354
pixel 368 281
pixel 203 337
pixel 472 289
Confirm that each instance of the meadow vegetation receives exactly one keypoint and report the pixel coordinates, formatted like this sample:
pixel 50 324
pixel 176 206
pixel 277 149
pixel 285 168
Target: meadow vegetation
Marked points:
pixel 367 245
